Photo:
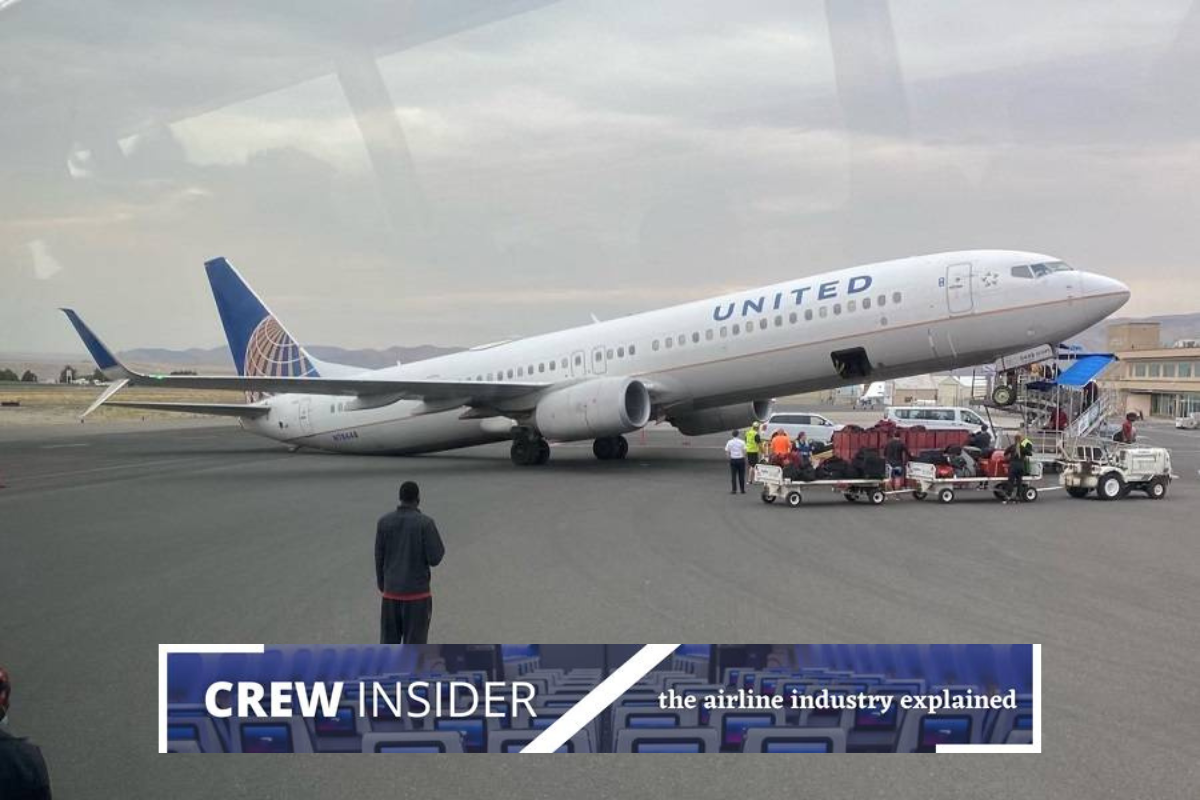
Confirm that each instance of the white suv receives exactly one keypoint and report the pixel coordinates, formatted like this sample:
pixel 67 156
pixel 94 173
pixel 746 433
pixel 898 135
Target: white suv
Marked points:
pixel 816 427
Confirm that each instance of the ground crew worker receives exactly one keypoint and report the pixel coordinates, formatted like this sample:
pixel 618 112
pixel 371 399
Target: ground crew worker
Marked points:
pixel 23 774
pixel 804 448
pixel 752 442
pixel 407 545
pixel 735 448
pixel 895 452
pixel 781 445
pixel 1020 463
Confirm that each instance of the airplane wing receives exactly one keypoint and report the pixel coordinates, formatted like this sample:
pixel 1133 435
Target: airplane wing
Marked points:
pixel 429 391
pixel 242 410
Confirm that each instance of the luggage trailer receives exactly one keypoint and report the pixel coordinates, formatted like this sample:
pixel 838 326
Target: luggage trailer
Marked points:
pixel 923 482
pixel 774 486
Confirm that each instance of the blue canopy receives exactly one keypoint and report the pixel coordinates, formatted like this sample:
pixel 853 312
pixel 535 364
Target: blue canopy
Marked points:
pixel 1084 370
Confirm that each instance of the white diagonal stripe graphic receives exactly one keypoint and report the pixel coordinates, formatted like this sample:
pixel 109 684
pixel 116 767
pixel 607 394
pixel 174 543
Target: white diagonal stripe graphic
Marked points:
pixel 600 698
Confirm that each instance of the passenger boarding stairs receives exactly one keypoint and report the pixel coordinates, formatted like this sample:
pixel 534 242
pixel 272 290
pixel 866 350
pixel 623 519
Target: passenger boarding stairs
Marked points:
pixel 1040 391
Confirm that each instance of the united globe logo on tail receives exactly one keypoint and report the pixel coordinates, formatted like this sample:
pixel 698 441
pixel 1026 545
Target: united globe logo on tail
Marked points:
pixel 271 352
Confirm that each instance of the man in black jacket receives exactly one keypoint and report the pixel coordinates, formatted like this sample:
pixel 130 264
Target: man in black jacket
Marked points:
pixel 23 773
pixel 407 544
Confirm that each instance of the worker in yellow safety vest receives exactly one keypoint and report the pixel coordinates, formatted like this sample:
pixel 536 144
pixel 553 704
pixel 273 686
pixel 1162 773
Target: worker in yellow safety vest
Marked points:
pixel 752 442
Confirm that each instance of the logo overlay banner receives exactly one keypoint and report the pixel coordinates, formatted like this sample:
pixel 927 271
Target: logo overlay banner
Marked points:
pixel 589 698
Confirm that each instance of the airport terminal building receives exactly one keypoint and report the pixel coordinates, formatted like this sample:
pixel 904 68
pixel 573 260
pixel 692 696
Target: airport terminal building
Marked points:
pixel 1156 379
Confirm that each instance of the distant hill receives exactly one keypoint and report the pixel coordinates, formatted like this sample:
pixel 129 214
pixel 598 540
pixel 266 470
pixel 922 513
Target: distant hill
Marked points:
pixel 1174 328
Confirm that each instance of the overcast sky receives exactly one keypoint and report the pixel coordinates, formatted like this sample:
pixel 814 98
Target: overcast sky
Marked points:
pixel 578 157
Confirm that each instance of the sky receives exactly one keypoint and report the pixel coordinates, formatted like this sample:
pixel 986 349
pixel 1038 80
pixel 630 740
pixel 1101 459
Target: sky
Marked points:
pixel 454 173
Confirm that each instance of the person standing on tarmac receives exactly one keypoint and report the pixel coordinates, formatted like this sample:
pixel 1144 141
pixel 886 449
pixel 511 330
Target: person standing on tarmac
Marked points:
pixel 735 448
pixel 752 445
pixel 23 774
pixel 895 452
pixel 407 545
pixel 804 449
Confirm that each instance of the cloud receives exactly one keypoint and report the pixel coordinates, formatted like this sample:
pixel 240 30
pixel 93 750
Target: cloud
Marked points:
pixel 587 156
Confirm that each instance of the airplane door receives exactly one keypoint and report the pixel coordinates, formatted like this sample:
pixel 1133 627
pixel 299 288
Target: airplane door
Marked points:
pixel 304 408
pixel 959 297
pixel 578 368
pixel 598 364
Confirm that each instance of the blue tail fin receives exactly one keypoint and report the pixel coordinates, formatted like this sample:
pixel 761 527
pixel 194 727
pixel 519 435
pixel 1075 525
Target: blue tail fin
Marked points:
pixel 258 342
pixel 100 353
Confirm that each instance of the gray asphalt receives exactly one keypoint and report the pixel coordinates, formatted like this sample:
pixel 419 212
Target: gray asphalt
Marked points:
pixel 115 542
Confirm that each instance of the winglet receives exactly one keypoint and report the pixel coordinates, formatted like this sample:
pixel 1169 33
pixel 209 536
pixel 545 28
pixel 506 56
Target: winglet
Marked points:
pixel 103 357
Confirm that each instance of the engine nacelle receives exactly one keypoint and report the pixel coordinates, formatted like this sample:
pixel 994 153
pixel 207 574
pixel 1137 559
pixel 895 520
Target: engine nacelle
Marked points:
pixel 593 409
pixel 722 418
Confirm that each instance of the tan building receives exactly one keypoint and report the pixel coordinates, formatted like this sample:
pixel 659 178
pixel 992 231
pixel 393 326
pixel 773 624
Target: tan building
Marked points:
pixel 1151 379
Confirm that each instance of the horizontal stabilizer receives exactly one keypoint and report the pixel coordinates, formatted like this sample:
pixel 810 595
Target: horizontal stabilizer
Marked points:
pixel 242 410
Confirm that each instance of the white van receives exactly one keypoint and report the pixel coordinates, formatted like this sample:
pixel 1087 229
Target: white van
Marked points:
pixel 941 418
pixel 814 426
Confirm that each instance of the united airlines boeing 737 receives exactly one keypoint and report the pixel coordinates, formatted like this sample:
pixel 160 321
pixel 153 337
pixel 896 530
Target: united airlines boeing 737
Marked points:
pixel 706 366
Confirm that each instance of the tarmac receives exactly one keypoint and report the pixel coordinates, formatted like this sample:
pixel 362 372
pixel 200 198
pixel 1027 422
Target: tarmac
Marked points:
pixel 116 540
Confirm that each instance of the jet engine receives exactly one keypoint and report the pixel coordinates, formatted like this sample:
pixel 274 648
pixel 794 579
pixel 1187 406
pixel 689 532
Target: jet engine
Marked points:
pixel 593 409
pixel 721 418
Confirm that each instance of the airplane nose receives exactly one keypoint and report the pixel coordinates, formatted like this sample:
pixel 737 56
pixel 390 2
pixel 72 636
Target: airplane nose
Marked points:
pixel 1105 292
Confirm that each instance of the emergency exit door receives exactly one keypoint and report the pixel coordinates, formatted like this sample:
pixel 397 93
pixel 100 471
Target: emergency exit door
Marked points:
pixel 959 297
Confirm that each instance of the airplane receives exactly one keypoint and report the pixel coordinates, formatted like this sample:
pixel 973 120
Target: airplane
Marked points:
pixel 705 366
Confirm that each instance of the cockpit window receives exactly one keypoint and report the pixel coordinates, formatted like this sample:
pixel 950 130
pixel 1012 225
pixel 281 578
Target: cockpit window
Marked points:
pixel 1039 270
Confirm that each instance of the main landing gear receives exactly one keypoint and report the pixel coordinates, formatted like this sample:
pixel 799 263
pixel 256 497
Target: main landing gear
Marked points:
pixel 610 447
pixel 528 449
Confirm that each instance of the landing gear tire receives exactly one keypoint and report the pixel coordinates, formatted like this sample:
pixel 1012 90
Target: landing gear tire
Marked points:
pixel 608 448
pixel 529 450
pixel 1004 396
pixel 1110 487
pixel 1079 492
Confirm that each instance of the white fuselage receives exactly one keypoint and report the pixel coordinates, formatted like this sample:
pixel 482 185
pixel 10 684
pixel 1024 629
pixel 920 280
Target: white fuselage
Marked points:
pixel 911 316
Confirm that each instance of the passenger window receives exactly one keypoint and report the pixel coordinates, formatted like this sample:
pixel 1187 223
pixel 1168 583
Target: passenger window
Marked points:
pixel 736 329
pixel 654 345
pixel 823 312
pixel 578 361
pixel 762 324
pixel 792 317
pixel 670 343
pixel 682 340
pixel 596 356
pixel 695 337
pixel 808 315
pixel 608 353
pixel 708 335
pixel 724 331
pixel 971 419
pixel 882 301
pixel 632 352
pixel 520 371
pixel 490 377
pixel 837 309
pixel 552 366
pixel 895 297
pixel 541 367
pixel 531 369
pixel 510 374
pixel 866 303
pixel 779 321
pixel 849 306
pixel 620 352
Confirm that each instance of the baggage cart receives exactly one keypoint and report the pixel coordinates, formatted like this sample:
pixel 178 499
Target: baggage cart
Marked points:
pixel 774 486
pixel 924 482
